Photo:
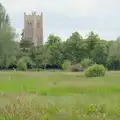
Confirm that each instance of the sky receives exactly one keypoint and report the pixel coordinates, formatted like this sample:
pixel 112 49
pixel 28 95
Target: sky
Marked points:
pixel 62 17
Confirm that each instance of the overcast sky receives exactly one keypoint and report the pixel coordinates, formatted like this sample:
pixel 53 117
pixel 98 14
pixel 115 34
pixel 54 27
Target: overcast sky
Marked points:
pixel 62 17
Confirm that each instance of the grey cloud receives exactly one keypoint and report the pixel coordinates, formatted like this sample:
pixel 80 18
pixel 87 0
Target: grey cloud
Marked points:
pixel 65 16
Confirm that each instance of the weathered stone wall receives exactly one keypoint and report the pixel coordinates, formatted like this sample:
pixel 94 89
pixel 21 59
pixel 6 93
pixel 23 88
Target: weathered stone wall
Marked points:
pixel 33 28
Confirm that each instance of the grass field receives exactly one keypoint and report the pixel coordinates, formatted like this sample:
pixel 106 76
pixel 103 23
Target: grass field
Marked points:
pixel 59 95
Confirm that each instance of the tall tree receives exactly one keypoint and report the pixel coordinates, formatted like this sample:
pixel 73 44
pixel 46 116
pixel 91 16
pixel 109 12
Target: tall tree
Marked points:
pixel 75 48
pixel 54 46
pixel 92 41
pixel 114 55
pixel 7 34
pixel 100 52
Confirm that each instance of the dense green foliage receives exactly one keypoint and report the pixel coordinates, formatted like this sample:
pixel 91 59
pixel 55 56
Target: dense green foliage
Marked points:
pixel 66 65
pixel 55 51
pixel 95 71
pixel 76 50
pixel 86 63
pixel 24 63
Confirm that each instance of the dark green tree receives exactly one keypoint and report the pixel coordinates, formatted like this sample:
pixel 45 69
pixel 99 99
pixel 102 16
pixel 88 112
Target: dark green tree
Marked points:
pixel 75 48
pixel 114 55
pixel 100 52
pixel 54 46
pixel 92 40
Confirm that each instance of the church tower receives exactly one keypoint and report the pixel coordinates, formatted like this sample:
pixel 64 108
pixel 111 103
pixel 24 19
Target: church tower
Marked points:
pixel 33 28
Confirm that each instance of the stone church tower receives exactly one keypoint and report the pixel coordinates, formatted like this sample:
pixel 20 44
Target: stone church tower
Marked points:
pixel 33 28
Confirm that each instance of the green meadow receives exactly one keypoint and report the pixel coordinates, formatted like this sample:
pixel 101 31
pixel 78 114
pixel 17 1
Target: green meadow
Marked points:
pixel 58 95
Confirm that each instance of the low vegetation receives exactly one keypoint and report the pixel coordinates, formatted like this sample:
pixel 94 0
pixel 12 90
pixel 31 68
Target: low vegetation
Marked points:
pixel 66 65
pixel 95 71
pixel 59 95
pixel 86 63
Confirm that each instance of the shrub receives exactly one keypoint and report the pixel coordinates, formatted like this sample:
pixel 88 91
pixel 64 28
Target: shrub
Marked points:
pixel 86 63
pixel 22 65
pixel 77 68
pixel 66 65
pixel 95 71
pixel 28 62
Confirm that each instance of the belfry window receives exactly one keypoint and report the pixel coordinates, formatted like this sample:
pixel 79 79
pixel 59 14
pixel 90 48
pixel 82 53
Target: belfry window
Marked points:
pixel 38 25
pixel 29 24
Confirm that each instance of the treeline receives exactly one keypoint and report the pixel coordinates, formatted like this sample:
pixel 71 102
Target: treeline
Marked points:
pixel 54 53
pixel 75 49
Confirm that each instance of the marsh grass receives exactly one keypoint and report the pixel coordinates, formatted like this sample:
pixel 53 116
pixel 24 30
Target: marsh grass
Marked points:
pixel 59 95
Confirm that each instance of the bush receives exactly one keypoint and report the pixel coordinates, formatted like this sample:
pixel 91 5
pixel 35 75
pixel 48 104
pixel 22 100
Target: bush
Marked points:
pixel 86 63
pixel 28 62
pixel 22 65
pixel 66 65
pixel 95 71
pixel 77 68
